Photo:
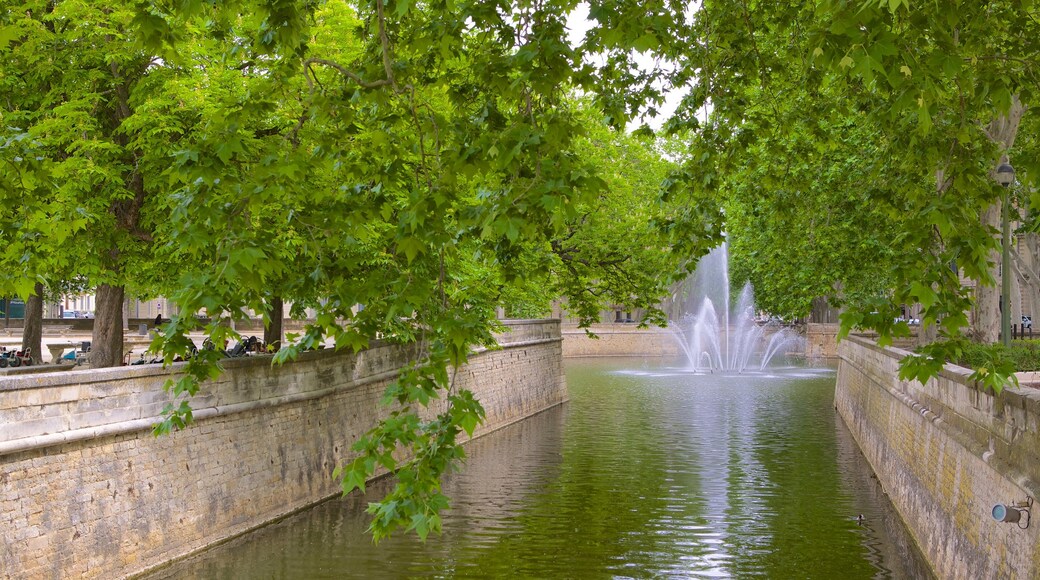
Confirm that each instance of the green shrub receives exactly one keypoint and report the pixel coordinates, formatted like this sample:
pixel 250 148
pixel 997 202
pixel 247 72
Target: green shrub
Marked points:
pixel 1023 354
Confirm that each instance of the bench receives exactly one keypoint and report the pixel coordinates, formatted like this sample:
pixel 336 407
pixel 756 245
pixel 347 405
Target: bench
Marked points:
pixel 130 346
pixel 58 348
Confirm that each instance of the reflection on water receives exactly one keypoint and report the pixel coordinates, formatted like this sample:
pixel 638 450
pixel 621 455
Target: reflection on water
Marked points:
pixel 649 471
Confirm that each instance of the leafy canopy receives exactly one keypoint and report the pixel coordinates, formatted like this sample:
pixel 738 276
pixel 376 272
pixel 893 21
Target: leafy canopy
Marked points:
pixel 401 169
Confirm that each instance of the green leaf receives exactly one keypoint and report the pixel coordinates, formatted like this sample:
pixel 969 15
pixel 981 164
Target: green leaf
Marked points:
pixel 468 422
pixel 411 246
pixel 924 294
pixel 645 42
pixel 8 34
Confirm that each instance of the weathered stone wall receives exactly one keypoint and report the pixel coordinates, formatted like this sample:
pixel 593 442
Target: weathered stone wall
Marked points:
pixel 87 492
pixel 618 340
pixel 821 340
pixel 945 454
pixel 623 339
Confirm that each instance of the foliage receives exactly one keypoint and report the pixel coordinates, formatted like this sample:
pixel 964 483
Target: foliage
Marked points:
pixel 824 224
pixel 1024 355
pixel 592 259
pixel 990 362
pixel 923 85
pixel 401 169
pixel 66 72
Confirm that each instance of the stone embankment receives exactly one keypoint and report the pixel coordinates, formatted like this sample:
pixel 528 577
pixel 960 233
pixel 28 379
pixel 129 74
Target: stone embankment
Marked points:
pixel 946 454
pixel 618 340
pixel 86 491
pixel 627 339
pixel 821 340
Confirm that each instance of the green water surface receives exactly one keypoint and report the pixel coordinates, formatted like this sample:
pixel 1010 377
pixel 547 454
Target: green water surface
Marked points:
pixel 648 472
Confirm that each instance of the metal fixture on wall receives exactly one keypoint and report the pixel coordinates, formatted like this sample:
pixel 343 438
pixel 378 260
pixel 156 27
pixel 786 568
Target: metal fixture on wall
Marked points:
pixel 1014 513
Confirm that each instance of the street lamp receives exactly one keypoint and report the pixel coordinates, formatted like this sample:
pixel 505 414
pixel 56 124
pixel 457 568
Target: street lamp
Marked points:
pixel 1005 176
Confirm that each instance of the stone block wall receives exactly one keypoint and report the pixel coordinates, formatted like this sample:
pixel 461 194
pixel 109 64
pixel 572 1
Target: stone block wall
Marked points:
pixel 821 340
pixel 945 453
pixel 622 339
pixel 618 340
pixel 87 492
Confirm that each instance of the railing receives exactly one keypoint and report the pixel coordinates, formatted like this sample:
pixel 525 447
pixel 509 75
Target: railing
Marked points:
pixel 1022 332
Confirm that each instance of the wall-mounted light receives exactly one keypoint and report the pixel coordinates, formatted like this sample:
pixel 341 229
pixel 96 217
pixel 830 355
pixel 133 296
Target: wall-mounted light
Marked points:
pixel 1014 513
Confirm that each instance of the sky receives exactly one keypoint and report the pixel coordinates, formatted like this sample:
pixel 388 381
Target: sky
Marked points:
pixel 578 24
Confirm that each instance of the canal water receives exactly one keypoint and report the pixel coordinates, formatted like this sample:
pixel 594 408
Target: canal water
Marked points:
pixel 648 472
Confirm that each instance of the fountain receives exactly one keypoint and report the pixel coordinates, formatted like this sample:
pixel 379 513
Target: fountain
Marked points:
pixel 729 343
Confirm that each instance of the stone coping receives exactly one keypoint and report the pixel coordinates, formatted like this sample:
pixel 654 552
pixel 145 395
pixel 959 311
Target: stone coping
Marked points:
pixel 78 375
pixel 36 369
pixel 47 409
pixel 1028 394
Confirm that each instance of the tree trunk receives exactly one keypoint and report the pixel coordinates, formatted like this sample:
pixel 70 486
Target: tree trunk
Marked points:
pixel 1016 285
pixel 1002 131
pixel 32 333
pixel 1028 259
pixel 987 296
pixel 822 311
pixel 106 348
pixel 273 324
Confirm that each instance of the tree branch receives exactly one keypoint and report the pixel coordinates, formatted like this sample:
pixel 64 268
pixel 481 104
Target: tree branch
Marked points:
pixel 384 40
pixel 343 71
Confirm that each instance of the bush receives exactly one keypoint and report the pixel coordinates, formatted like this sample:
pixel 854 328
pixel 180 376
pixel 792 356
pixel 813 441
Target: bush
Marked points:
pixel 1023 354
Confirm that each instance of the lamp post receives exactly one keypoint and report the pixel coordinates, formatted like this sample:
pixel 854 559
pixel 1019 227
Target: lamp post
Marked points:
pixel 1005 176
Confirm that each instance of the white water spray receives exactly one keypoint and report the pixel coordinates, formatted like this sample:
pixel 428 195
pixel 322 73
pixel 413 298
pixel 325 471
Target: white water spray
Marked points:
pixel 737 341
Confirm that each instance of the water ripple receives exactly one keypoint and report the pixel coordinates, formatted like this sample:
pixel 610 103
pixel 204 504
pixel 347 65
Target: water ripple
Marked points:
pixel 651 471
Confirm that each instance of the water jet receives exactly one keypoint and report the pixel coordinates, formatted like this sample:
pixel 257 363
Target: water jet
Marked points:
pixel 717 337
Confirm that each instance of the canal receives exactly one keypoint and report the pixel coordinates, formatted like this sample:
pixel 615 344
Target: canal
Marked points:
pixel 648 472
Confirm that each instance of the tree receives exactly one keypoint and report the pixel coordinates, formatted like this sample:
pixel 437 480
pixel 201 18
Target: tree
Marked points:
pixel 416 160
pixel 927 79
pixel 32 330
pixel 815 220
pixel 588 258
pixel 74 82
pixel 383 162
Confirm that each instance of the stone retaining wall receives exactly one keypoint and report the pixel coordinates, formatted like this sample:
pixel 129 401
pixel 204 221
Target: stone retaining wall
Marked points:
pixel 946 453
pixel 821 340
pixel 87 491
pixel 618 340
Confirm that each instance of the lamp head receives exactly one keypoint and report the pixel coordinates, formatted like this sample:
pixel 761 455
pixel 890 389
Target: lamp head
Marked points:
pixel 1005 174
